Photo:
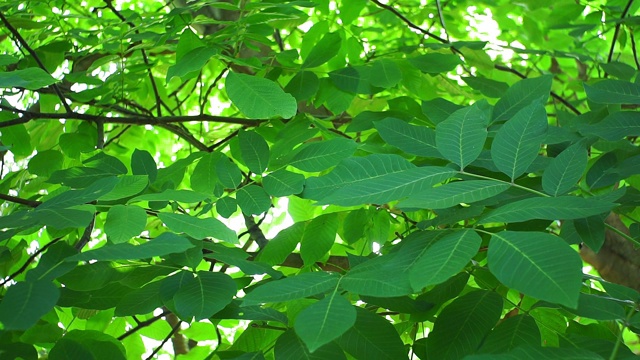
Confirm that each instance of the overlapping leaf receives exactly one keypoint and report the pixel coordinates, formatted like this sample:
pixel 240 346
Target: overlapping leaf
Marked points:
pixel 259 98
pixel 565 170
pixel 324 321
pixel 292 288
pixel 416 140
pixel 460 138
pixel 454 193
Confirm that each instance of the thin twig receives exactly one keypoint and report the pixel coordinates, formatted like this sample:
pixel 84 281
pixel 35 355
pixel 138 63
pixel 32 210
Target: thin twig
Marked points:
pixel 617 30
pixel 441 17
pixel 409 23
pixel 21 201
pixel 164 341
pixel 26 46
pixel 29 261
pixel 141 325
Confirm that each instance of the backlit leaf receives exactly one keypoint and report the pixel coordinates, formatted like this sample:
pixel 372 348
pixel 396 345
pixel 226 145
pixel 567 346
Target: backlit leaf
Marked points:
pixel 565 170
pixel 199 228
pixel 124 222
pixel 323 155
pixel 292 288
pixel 259 98
pixel 204 295
pixel 324 321
pixel 521 94
pixel 460 138
pixel 254 150
pixel 454 193
pixel 166 243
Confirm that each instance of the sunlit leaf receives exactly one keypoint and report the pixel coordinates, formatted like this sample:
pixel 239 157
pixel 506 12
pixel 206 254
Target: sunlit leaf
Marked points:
pixel 124 222
pixel 325 321
pixel 199 228
pixel 610 91
pixel 259 98
pixel 292 288
pixel 520 95
pixel 461 137
pixel 32 78
pixel 323 51
pixel 322 155
pixel 454 193
pixel 205 295
pixel 565 170
pixel 166 243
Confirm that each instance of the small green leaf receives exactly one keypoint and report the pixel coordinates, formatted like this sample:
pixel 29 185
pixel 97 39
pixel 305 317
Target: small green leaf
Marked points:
pixel 461 137
pixel 254 150
pixel 259 98
pixel 44 163
pixel 565 170
pixel 282 245
pixel 518 141
pixel 166 243
pixel 32 78
pixel 253 200
pixel 537 264
pixel 204 178
pixel 303 85
pixel 318 238
pixel 416 140
pixel 515 331
pixel 549 208
pixel 127 186
pixel 199 228
pixel 142 163
pixel 25 302
pixel 63 218
pixel 454 193
pixel 435 63
pixel 323 51
pixel 615 126
pixel 292 288
pixel 610 91
pixel 124 222
pixel 226 206
pixel 192 62
pixel 204 295
pixel 228 173
pixel 283 183
pixel 385 73
pixel 322 155
pixel 521 94
pixel 324 321
pixel 488 87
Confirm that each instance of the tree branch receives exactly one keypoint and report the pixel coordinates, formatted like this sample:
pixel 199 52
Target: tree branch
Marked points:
pixel 142 325
pixel 21 201
pixel 617 30
pixel 24 266
pixel 409 23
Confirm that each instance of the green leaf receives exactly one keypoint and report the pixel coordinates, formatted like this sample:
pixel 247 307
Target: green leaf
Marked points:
pixel 454 193
pixel 259 98
pixel 142 163
pixel 192 62
pixel 435 63
pixel 52 264
pixel 283 183
pixel 78 197
pixel 460 138
pixel 204 295
pixel 303 85
pixel 519 330
pixel 290 347
pixel 520 95
pixel 537 264
pixel 615 126
pixel 444 258
pixel 324 321
pixel 292 288
pixel 226 206
pixel 372 337
pixel 107 162
pixel 550 208
pixel 124 222
pixel 253 200
pixel 318 238
pixel 228 173
pixel 518 141
pixel 32 78
pixel 140 301
pixel 282 245
pixel 599 308
pixel 385 73
pixel 488 87
pixel 87 344
pixel 539 353
pixel 322 155
pixel 565 170
pixel 185 196
pixel 127 186
pixel 25 302
pixel 166 243
pixel 44 163
pixel 254 150
pixel 63 218
pixel 416 140
pixel 323 51
pixel 613 92
pixel 199 228
pixel 463 324
pixel 376 179
pixel 204 178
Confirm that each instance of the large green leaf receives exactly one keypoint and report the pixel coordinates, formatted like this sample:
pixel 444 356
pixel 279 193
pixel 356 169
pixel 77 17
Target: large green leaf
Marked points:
pixel 454 193
pixel 127 186
pixel 610 91
pixel 518 141
pixel 166 243
pixel 253 200
pixel 282 245
pixel 416 140
pixel 324 321
pixel 547 208
pixel 292 288
pixel 435 63
pixel 142 163
pixel 259 98
pixel 322 155
pixel 538 264
pixel 565 170
pixel 32 78
pixel 290 347
pixel 323 51
pixel 204 295
pixel 124 222
pixel 25 302
pixel 515 331
pixel 444 258
pixel 599 307
pixel 461 326
pixel 521 94
pixel 204 177
pixel 303 85
pixel 460 138
pixel 375 179
pixel 385 73
pixel 372 337
pixel 283 183
pixel 199 228
pixel 615 126
pixel 318 238
pixel 228 173
pixel 254 150
pixel 83 196
pixel 64 218
pixel 192 62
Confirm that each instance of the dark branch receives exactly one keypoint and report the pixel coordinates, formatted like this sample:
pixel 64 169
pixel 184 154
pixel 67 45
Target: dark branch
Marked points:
pixel 142 324
pixel 409 23
pixel 617 30
pixel 29 261
pixel 21 201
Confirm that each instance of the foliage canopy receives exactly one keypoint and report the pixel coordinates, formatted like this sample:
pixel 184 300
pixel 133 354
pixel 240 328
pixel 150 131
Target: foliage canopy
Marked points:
pixel 319 179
